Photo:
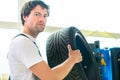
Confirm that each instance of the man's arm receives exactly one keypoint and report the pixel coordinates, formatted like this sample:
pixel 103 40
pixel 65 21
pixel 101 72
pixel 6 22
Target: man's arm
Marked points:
pixel 44 72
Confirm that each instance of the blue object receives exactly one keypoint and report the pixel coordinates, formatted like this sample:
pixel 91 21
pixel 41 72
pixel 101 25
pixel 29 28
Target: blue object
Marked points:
pixel 106 70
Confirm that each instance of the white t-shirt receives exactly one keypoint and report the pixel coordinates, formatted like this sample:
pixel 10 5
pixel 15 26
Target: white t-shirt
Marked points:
pixel 22 54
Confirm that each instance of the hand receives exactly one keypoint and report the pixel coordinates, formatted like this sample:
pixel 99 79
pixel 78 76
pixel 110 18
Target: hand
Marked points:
pixel 75 55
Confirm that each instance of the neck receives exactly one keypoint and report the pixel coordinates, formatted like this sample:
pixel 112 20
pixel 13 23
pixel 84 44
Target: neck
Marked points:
pixel 31 33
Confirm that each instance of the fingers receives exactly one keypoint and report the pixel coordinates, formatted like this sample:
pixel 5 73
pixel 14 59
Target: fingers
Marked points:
pixel 75 55
pixel 69 48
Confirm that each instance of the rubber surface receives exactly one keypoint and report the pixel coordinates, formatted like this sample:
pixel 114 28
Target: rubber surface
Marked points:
pixel 57 52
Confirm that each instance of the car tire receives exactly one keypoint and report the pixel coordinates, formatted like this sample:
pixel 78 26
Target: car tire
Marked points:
pixel 57 52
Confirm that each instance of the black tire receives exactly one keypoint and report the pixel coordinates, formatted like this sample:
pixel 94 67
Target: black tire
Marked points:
pixel 57 52
pixel 115 55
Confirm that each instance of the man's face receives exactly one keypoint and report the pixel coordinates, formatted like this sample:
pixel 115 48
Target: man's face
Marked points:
pixel 37 19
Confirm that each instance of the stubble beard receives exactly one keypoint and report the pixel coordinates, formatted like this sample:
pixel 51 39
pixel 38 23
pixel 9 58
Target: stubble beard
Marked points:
pixel 40 28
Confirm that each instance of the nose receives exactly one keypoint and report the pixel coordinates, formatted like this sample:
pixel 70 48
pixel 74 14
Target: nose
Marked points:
pixel 41 18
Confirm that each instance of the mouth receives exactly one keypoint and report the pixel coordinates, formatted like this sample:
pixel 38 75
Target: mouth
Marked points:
pixel 41 25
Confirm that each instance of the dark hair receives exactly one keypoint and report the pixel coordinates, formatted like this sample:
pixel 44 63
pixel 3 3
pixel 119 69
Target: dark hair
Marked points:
pixel 30 5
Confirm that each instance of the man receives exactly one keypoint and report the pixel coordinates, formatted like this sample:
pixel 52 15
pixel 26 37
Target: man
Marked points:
pixel 24 57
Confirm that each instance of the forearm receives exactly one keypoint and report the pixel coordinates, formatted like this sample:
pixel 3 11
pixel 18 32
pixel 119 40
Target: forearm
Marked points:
pixel 44 72
pixel 62 70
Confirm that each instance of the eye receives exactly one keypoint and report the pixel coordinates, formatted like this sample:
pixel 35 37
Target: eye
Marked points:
pixel 45 16
pixel 37 14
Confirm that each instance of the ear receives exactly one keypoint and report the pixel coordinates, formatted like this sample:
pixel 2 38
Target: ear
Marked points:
pixel 25 18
